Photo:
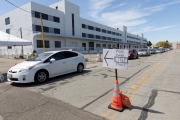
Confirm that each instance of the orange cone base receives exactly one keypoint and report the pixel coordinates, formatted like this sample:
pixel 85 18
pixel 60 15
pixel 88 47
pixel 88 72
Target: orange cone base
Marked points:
pixel 116 109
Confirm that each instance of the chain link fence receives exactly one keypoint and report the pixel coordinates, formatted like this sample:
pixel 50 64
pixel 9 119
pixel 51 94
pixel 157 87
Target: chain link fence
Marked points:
pixel 90 54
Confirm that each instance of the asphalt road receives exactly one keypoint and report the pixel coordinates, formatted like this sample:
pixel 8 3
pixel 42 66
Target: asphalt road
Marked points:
pixel 152 83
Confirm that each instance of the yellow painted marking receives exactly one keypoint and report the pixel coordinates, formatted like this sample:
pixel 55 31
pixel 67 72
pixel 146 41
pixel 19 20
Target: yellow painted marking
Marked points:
pixel 134 86
pixel 107 113
pixel 112 118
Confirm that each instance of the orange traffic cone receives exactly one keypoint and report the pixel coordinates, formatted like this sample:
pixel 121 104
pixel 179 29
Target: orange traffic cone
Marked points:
pixel 125 100
pixel 116 99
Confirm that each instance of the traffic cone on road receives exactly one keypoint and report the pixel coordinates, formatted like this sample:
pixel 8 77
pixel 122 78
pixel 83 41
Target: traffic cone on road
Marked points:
pixel 116 99
pixel 125 100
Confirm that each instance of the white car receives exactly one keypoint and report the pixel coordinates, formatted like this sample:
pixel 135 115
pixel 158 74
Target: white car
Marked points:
pixel 47 65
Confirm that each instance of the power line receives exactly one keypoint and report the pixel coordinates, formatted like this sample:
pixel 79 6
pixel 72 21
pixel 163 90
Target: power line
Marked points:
pixel 17 6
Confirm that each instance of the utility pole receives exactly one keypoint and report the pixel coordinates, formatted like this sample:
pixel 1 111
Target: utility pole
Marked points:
pixel 22 51
pixel 42 29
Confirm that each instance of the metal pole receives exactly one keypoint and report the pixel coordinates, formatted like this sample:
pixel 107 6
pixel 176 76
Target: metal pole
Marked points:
pixel 22 50
pixel 116 74
pixel 42 29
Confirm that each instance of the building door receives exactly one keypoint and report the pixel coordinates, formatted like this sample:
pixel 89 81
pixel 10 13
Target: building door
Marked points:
pixel 84 46
pixel 91 45
pixel 117 46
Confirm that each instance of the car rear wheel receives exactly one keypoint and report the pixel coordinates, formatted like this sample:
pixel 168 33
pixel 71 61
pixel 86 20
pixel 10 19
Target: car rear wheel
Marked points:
pixel 137 56
pixel 80 68
pixel 41 76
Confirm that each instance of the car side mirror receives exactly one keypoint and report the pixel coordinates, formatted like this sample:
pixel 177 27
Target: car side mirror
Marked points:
pixel 52 60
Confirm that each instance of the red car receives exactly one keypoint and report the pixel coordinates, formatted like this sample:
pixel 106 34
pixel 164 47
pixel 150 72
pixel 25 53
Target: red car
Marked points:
pixel 133 54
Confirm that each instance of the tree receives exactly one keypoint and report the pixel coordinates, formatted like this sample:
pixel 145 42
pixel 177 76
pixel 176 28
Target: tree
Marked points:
pixel 163 44
pixel 150 43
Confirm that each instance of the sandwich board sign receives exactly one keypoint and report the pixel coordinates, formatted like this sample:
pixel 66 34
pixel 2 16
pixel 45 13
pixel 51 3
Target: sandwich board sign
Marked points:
pixel 115 58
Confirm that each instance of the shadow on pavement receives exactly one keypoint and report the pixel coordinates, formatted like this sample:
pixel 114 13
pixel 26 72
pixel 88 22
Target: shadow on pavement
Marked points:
pixel 52 80
pixel 146 110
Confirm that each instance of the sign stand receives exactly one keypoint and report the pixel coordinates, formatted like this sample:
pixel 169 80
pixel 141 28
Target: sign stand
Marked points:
pixel 116 74
pixel 118 59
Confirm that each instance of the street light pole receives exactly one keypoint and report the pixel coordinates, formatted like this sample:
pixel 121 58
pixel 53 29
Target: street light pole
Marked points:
pixel 42 30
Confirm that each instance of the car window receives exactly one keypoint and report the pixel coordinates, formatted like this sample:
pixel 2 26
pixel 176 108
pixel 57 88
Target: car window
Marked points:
pixel 70 54
pixel 58 56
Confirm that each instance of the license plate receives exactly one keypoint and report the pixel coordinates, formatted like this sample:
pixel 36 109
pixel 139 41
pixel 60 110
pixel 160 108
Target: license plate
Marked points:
pixel 9 76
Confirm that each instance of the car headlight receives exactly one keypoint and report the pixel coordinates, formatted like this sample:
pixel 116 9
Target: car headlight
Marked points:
pixel 23 70
pixel 26 69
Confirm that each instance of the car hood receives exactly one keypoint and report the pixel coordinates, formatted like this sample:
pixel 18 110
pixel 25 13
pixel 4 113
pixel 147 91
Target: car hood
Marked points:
pixel 25 64
pixel 142 52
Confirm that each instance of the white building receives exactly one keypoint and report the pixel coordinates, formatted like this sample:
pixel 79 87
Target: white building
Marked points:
pixel 64 28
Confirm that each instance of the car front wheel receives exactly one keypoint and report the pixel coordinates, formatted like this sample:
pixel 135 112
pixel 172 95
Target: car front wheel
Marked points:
pixel 41 76
pixel 80 68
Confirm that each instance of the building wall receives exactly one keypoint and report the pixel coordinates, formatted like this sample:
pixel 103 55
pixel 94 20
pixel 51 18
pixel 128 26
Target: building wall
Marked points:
pixel 64 11
pixel 176 45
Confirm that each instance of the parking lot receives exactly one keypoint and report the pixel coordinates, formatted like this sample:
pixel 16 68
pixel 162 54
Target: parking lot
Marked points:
pixel 152 84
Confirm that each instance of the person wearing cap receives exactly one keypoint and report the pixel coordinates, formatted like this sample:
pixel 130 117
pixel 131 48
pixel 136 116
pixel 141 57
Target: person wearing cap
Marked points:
pixel 32 55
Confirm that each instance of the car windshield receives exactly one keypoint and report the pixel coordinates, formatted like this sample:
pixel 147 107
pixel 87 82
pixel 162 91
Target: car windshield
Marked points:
pixel 143 50
pixel 130 51
pixel 40 57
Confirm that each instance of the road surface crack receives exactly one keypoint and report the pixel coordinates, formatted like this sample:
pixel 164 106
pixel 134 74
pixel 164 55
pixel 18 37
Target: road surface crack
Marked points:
pixel 151 102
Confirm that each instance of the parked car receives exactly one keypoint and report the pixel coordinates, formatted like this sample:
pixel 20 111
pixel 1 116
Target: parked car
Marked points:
pixel 152 51
pixel 47 65
pixel 143 52
pixel 159 51
pixel 133 54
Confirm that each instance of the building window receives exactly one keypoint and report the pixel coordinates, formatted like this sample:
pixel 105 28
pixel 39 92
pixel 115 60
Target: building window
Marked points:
pixel 46 29
pixel 90 35
pixel 109 46
pixel 109 38
pixel 117 34
pixel 98 45
pixel 73 33
pixel 56 31
pixel 38 28
pixel 57 44
pixel 90 27
pixel 103 30
pixel 113 39
pixel 98 29
pixel 104 45
pixel 109 32
pixel 98 37
pixel 83 26
pixel 8 31
pixel 83 34
pixel 56 7
pixel 7 21
pixel 40 44
pixel 44 16
pixel 103 37
pixel 56 19
pixel 113 33
pixel 37 14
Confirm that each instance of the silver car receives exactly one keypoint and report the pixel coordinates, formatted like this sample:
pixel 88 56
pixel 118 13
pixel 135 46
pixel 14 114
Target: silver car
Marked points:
pixel 144 52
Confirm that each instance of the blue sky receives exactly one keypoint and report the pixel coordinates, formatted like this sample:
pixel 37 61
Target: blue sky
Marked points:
pixel 157 19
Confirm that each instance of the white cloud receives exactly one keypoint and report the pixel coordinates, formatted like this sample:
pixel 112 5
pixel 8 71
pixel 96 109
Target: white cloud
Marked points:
pixel 99 5
pixel 153 28
pixel 131 17
pixel 119 5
